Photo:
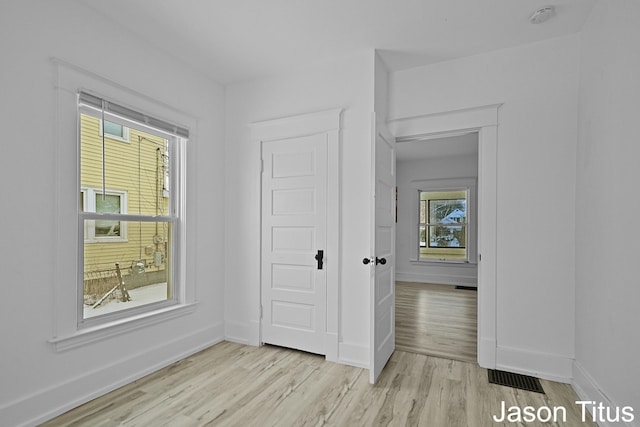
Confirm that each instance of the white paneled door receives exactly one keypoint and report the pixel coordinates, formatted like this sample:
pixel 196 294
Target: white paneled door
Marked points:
pixel 294 242
pixel 383 250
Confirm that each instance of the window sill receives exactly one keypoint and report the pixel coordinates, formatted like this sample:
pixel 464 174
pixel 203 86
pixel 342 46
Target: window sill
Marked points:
pixel 97 333
pixel 457 262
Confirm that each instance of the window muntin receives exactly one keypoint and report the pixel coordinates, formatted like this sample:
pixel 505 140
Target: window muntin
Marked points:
pixel 443 225
pixel 129 219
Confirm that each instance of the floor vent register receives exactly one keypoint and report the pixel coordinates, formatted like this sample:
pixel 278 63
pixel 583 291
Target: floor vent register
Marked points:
pixel 509 379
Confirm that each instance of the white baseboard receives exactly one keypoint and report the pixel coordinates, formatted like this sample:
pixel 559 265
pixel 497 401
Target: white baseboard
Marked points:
pixel 487 353
pixel 588 389
pixel 332 347
pixel 353 355
pixel 237 332
pixel 247 333
pixel 439 279
pixel 553 367
pixel 254 333
pixel 55 400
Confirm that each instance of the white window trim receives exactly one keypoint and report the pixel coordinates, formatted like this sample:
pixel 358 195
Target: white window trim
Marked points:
pixel 435 185
pixel 89 198
pixel 125 132
pixel 427 224
pixel 66 333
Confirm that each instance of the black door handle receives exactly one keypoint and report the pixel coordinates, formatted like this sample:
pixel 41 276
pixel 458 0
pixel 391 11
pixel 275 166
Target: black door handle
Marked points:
pixel 382 261
pixel 320 258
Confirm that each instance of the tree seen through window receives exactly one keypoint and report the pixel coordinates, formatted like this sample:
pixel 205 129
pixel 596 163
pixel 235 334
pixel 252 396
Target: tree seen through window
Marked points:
pixel 442 224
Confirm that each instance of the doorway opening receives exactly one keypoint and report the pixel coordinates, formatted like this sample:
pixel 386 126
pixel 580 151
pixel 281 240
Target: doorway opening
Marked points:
pixel 436 245
pixel 484 121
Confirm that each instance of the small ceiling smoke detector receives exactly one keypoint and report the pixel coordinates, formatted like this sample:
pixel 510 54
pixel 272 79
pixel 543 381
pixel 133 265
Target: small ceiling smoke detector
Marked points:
pixel 542 15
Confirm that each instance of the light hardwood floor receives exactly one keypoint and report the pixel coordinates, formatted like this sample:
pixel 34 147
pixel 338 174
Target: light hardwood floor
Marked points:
pixel 234 385
pixel 437 320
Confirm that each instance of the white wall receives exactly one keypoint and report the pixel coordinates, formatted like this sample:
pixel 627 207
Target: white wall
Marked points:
pixel 36 381
pixel 537 168
pixel 538 86
pixel 607 291
pixel 410 171
pixel 381 89
pixel 347 83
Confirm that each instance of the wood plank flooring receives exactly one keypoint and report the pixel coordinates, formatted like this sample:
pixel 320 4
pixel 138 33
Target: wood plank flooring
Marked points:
pixel 234 385
pixel 437 320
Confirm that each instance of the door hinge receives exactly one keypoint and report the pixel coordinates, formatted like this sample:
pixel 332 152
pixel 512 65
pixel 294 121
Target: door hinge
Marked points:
pixel 479 257
pixel 261 312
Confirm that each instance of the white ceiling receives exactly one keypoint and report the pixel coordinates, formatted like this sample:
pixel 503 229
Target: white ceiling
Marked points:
pixel 235 40
pixel 459 145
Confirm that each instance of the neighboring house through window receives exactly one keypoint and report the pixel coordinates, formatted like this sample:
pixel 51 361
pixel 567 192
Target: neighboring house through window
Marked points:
pixel 129 218
pixel 121 235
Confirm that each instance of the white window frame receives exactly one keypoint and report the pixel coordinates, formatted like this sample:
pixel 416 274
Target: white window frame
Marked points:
pixel 89 205
pixel 427 224
pixel 67 332
pixel 437 185
pixel 86 218
pixel 125 132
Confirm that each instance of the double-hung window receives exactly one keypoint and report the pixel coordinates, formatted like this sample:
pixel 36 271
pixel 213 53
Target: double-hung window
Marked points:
pixel 443 225
pixel 130 213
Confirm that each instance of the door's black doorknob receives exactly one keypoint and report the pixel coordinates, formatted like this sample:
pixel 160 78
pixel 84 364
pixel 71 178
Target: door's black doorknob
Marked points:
pixel 382 261
pixel 366 261
pixel 320 258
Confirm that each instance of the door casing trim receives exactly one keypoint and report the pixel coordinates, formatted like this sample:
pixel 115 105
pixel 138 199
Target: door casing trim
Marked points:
pixel 484 121
pixel 327 122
